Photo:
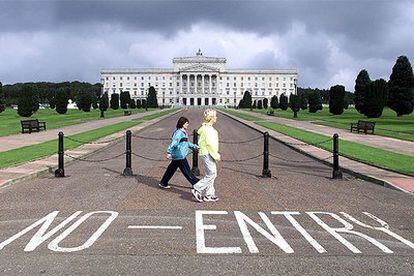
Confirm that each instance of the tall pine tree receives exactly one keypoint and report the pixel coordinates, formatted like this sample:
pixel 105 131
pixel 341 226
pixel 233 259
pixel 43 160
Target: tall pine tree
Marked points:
pixel 27 101
pixel 283 103
pixel 315 101
pixel 376 98
pixel 247 100
pixel 336 99
pixel 294 104
pixel 274 102
pixel 103 104
pixel 114 101
pixel 361 86
pixel 2 99
pixel 152 98
pixel 401 87
pixel 125 99
pixel 62 99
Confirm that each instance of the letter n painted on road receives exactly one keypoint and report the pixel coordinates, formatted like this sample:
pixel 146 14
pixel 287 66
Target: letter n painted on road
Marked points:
pixel 274 235
pixel 54 245
pixel 41 234
pixel 201 243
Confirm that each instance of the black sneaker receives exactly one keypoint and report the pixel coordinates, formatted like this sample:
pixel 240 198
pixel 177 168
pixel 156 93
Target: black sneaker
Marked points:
pixel 164 186
pixel 197 195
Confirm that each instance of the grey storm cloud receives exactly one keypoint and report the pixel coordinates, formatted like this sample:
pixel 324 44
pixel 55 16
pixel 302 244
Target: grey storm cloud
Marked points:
pixel 327 41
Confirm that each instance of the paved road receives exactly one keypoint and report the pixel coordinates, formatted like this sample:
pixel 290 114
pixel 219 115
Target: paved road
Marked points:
pixel 240 234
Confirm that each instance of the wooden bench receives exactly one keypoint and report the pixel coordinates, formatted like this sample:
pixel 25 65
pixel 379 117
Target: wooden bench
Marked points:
pixel 127 113
pixel 29 126
pixel 364 126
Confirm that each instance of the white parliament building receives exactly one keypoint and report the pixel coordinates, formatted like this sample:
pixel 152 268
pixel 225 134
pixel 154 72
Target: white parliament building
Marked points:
pixel 200 81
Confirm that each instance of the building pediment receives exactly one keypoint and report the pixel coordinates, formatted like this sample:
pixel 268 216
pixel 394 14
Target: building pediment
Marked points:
pixel 199 68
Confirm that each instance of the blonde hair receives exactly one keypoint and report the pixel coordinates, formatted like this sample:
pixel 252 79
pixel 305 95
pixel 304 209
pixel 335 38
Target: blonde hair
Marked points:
pixel 209 114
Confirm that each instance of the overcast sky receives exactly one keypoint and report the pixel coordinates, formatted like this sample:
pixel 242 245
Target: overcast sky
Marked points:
pixel 328 42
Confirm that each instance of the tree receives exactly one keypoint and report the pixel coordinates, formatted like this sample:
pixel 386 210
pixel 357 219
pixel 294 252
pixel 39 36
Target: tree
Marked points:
pixel 265 103
pixel 95 101
pixel 144 103
pixel 283 104
pixel 125 99
pixel 139 105
pixel 103 104
pixel 152 98
pixel 241 104
pixel 27 101
pixel 294 104
pixel 401 87
pixel 115 101
pixel 376 98
pixel 84 100
pixel 2 99
pixel 246 101
pixel 51 98
pixel 259 104
pixel 361 85
pixel 303 101
pixel 274 102
pixel 315 101
pixel 62 98
pixel 132 104
pixel 254 104
pixel 336 99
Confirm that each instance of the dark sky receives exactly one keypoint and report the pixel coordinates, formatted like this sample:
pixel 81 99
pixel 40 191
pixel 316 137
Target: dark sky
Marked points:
pixel 328 42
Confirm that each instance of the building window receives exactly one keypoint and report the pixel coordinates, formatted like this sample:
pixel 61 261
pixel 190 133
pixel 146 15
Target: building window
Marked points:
pixel 235 78
pixel 234 84
pixel 255 84
pixel 113 78
pixel 120 84
pixel 241 78
pixel 248 78
pixel 284 85
pixel 120 78
pixel 127 78
pixel 107 78
pixel 149 77
pixel 255 78
pixel 142 78
pixel 270 84
pixel 263 78
pixel 241 84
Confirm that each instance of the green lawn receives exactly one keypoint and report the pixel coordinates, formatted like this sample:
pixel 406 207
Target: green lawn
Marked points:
pixel 10 120
pixel 366 154
pixel 24 154
pixel 387 125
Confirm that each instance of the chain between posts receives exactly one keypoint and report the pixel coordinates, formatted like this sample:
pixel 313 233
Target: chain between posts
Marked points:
pixel 84 142
pixel 150 158
pixel 297 161
pixel 242 160
pixel 309 144
pixel 93 160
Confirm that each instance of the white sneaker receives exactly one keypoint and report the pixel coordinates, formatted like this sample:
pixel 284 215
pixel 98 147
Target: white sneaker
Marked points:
pixel 197 195
pixel 211 198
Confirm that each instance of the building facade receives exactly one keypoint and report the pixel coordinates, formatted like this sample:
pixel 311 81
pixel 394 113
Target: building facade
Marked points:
pixel 199 81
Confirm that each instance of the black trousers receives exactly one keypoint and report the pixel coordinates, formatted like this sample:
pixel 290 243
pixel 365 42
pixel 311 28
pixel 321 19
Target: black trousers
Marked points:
pixel 184 168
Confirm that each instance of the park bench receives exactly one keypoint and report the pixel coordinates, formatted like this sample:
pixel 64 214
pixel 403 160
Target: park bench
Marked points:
pixel 32 126
pixel 364 126
pixel 127 113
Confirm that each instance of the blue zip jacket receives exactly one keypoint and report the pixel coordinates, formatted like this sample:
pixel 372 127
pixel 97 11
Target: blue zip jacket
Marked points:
pixel 179 147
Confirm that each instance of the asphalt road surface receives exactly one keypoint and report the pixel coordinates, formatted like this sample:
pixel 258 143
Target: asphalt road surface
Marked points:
pixel 299 221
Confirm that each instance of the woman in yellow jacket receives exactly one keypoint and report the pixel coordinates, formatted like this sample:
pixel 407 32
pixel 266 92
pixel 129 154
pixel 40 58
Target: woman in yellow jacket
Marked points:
pixel 208 147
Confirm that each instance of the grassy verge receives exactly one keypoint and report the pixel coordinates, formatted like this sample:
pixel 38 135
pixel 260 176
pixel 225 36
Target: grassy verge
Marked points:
pixel 388 125
pixel 10 120
pixel 370 155
pixel 28 153
pixel 242 115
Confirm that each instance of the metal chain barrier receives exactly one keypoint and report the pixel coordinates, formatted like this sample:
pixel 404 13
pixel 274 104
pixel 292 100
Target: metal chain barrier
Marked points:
pixel 242 160
pixel 297 161
pixel 150 158
pixel 94 142
pixel 94 160
pixel 309 144
pixel 242 142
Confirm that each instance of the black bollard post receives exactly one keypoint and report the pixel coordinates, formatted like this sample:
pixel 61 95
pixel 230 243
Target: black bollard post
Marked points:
pixel 336 172
pixel 266 172
pixel 128 152
pixel 60 172
pixel 195 169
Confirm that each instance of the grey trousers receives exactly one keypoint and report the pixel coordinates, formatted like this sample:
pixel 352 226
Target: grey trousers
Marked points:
pixel 207 183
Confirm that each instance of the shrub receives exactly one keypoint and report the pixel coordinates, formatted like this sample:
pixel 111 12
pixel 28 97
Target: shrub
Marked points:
pixel 283 104
pixel 336 99
pixel 114 101
pixel 274 102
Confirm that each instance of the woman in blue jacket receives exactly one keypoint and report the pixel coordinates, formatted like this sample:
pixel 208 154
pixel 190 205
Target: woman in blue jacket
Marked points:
pixel 177 151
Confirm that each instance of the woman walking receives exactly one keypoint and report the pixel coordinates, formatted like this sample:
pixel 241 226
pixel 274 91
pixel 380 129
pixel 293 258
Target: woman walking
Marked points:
pixel 208 143
pixel 177 151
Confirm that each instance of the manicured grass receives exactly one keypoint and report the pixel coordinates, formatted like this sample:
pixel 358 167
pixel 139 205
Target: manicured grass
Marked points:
pixel 242 115
pixel 370 155
pixel 10 120
pixel 156 115
pixel 366 154
pixel 388 124
pixel 24 154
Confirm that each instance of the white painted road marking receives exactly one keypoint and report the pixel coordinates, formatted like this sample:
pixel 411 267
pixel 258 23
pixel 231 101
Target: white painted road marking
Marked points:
pixel 264 227
pixel 154 227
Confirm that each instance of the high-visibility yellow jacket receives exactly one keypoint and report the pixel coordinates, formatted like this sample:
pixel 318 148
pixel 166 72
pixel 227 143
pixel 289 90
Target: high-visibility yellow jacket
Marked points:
pixel 208 141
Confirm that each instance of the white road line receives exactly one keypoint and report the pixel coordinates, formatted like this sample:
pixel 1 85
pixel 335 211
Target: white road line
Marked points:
pixel 155 227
